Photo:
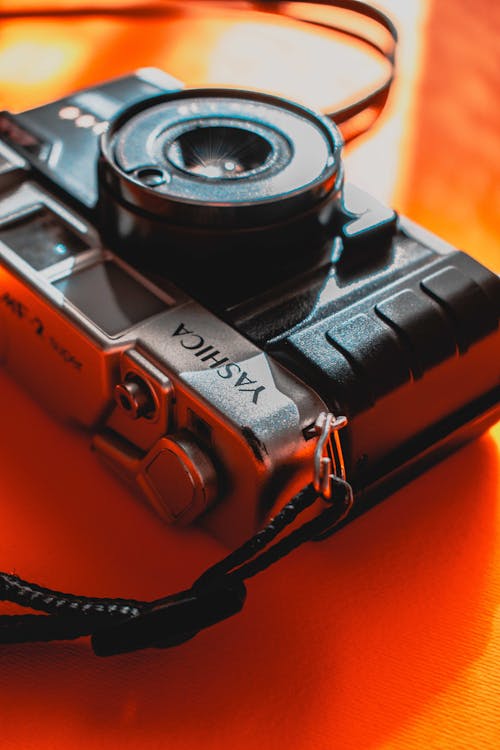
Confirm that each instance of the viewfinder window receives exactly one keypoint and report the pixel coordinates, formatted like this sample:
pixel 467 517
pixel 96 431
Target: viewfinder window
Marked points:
pixel 42 238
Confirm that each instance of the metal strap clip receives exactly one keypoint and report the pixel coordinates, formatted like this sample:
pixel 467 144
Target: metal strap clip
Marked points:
pixel 328 457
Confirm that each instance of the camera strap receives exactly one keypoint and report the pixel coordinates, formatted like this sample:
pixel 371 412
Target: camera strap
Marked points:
pixel 122 625
pixel 355 19
pixel 359 21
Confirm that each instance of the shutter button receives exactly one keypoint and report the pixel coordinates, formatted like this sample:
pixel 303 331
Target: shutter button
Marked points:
pixel 178 478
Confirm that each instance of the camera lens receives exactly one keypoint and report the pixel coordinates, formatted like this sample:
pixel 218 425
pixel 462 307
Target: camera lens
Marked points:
pixel 219 151
pixel 206 175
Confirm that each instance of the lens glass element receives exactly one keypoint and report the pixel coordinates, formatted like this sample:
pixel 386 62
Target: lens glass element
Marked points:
pixel 219 152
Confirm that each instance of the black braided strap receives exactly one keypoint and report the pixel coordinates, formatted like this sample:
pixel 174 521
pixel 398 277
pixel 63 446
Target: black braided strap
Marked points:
pixel 287 515
pixel 177 620
pixel 335 511
pixel 68 616
pixel 15 589
pixel 220 591
pixel 121 625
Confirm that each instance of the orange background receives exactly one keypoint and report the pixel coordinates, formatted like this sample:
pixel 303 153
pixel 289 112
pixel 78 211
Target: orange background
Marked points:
pixel 385 636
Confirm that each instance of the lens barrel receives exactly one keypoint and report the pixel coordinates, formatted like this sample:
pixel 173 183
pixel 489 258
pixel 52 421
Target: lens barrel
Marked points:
pixel 201 174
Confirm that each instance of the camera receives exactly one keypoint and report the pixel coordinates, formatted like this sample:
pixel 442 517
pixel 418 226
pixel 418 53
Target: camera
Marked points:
pixel 186 274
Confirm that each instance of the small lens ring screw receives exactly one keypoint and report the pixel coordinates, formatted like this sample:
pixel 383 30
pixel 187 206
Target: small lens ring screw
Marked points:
pixel 151 177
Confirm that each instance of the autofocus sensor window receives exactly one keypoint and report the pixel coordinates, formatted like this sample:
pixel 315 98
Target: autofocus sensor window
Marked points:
pixel 219 151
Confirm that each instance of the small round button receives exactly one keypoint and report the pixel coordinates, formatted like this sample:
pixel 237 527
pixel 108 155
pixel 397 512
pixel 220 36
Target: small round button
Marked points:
pixel 135 397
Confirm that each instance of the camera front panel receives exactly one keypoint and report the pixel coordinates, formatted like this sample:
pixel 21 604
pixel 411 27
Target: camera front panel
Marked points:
pixel 174 396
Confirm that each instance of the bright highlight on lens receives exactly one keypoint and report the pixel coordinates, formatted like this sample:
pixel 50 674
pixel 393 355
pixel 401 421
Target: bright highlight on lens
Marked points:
pixel 219 151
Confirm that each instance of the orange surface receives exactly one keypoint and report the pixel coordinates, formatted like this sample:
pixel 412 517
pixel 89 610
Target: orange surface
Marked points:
pixel 386 636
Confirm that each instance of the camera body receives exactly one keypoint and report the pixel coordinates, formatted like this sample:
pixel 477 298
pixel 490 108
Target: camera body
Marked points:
pixel 197 313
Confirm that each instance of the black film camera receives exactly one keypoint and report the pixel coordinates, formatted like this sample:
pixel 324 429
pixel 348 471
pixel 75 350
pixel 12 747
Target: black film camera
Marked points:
pixel 185 273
